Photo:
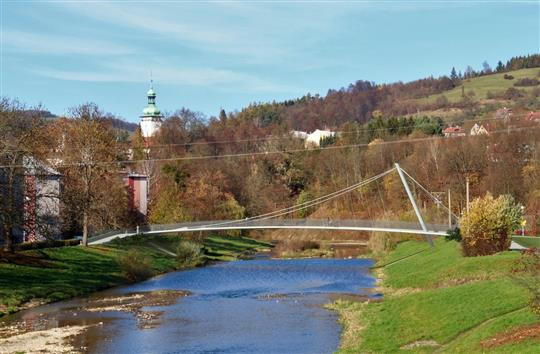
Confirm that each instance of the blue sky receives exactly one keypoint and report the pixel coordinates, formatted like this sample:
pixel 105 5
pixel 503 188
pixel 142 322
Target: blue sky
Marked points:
pixel 207 55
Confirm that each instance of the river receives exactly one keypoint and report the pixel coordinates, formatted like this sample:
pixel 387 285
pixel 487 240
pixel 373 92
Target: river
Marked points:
pixel 249 306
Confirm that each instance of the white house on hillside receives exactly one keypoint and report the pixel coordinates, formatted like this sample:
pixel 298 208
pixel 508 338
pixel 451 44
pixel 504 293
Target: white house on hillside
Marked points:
pixel 314 139
pixel 479 130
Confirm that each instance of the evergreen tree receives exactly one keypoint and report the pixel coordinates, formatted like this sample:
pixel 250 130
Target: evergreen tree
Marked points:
pixel 453 74
pixel 222 115
pixel 500 67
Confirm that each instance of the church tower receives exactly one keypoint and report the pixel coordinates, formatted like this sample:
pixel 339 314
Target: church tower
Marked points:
pixel 151 117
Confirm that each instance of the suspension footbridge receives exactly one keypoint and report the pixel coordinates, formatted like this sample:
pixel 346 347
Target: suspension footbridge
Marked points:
pixel 275 220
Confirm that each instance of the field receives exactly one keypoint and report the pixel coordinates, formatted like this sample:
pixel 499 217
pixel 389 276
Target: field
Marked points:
pixel 52 274
pixel 438 300
pixel 494 83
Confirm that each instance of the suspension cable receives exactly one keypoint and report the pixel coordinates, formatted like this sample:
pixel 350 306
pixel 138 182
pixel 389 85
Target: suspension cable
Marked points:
pixel 304 205
pixel 437 200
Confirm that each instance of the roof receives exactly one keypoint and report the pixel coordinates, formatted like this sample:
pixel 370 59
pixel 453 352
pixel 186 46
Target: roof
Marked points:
pixel 455 129
pixel 35 167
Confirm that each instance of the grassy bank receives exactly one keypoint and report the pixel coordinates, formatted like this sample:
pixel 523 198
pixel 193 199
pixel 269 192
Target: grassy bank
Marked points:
pixel 437 300
pixel 51 274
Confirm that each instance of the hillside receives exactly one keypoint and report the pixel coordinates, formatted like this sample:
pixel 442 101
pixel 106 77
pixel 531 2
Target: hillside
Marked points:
pixel 494 84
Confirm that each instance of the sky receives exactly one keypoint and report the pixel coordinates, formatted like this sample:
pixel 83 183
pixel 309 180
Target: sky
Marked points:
pixel 208 55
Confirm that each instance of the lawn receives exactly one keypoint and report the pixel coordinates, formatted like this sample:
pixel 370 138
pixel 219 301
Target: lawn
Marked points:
pixel 53 274
pixel 495 83
pixel 439 300
pixel 527 241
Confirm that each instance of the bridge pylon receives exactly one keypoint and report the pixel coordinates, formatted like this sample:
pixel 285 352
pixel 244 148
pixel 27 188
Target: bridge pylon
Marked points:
pixel 429 239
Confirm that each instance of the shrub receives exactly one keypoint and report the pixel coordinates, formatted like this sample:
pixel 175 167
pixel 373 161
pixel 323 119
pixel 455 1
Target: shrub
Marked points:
pixel 527 82
pixel 512 93
pixel 381 243
pixel 453 235
pixel 526 273
pixel 188 253
pixel 488 224
pixel 135 265
pixel 508 77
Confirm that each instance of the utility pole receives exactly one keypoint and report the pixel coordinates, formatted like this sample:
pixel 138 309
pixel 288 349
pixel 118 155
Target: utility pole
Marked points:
pixel 467 192
pixel 449 210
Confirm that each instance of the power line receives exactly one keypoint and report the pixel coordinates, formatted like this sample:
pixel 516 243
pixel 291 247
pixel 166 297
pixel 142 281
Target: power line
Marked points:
pixel 270 138
pixel 265 153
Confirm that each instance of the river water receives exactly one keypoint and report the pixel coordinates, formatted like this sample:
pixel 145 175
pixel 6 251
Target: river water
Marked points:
pixel 250 306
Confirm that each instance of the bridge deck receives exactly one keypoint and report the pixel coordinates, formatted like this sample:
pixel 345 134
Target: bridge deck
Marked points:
pixel 307 224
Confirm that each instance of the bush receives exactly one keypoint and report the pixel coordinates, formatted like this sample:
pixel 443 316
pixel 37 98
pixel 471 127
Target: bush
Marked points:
pixel 45 244
pixel 527 82
pixel 526 273
pixel 488 224
pixel 454 235
pixel 381 243
pixel 508 77
pixel 512 93
pixel 188 253
pixel 135 265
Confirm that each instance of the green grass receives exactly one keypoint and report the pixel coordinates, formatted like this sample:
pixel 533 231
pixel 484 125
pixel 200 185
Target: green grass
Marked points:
pixel 441 296
pixel 494 83
pixel 75 271
pixel 527 241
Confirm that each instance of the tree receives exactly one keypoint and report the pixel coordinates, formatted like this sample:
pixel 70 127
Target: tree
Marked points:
pixel 21 137
pixel 89 154
pixel 453 74
pixel 486 69
pixel 222 116
pixel 488 224
pixel 500 67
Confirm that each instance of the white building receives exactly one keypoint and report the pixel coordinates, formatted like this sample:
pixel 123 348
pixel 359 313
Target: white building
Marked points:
pixel 299 134
pixel 478 130
pixel 314 138
pixel 151 117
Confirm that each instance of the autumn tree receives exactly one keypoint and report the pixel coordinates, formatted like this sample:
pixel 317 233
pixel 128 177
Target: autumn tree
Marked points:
pixel 89 154
pixel 21 137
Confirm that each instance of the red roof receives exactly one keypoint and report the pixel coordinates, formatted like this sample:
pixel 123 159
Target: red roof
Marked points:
pixel 533 116
pixel 456 129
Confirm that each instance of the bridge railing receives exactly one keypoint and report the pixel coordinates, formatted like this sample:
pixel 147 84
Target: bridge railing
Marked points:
pixel 195 226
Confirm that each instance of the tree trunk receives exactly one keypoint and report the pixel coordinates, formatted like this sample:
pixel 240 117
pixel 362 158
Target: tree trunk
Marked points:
pixel 8 238
pixel 85 230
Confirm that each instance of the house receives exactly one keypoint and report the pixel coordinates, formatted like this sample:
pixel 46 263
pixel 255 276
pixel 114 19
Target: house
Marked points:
pixel 138 192
pixel 41 201
pixel 34 213
pixel 299 134
pixel 532 117
pixel 315 138
pixel 478 130
pixel 503 113
pixel 453 131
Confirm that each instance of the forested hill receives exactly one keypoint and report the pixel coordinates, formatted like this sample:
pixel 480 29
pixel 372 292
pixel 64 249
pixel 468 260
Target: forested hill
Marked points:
pixel 357 102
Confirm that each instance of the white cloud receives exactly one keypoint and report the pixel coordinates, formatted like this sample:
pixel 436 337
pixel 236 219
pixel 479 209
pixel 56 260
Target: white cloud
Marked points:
pixel 59 45
pixel 166 74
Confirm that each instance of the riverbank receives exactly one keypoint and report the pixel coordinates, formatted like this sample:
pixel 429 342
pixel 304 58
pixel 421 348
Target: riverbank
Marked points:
pixel 437 300
pixel 41 276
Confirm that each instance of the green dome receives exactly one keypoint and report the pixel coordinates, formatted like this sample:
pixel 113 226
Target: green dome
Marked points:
pixel 151 110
